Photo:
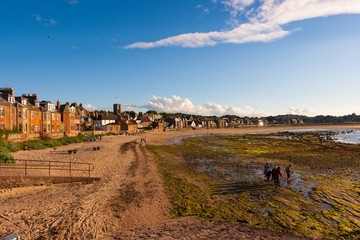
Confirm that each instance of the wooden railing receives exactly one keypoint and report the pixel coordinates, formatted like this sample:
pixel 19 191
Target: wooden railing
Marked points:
pixel 50 167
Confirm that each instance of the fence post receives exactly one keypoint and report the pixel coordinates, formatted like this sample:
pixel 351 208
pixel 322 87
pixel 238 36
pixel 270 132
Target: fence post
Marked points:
pixel 70 168
pixel 25 167
pixel 49 167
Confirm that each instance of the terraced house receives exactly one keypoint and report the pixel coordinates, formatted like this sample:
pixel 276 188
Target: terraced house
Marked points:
pixel 4 114
pixel 70 117
pixel 27 116
pixel 9 118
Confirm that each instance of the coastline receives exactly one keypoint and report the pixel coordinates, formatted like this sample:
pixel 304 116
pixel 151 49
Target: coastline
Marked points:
pixel 128 202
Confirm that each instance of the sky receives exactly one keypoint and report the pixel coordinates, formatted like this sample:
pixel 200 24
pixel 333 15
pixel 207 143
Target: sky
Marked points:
pixel 208 57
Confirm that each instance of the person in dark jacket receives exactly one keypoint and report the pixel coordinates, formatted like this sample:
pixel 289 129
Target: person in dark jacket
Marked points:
pixel 266 169
pixel 276 176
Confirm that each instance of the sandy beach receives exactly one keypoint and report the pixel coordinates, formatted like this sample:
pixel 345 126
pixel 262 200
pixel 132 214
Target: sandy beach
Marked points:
pixel 128 202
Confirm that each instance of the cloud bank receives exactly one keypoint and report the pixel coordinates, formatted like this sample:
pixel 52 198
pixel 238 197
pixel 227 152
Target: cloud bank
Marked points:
pixel 302 111
pixel 265 19
pixel 176 104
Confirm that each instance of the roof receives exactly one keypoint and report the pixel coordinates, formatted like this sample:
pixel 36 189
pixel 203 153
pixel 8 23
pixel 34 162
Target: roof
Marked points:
pixel 3 102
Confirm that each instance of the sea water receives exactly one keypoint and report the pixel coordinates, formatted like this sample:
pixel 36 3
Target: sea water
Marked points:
pixel 352 137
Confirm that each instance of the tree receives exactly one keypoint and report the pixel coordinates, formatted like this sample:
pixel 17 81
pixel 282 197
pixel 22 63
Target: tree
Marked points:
pixel 151 112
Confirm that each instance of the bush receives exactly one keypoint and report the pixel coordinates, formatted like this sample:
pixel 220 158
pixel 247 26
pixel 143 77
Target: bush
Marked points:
pixel 5 156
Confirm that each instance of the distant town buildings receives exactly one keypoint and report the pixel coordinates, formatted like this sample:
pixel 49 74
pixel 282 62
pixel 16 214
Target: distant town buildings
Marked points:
pixel 27 117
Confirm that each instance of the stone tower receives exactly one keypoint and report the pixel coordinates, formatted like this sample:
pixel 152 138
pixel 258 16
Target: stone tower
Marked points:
pixel 117 108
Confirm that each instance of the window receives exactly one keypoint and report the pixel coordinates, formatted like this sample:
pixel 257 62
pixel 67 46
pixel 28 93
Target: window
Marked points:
pixel 2 113
pixel 44 127
pixel 20 113
pixel 25 113
pixel 25 128
pixel 32 115
pixel 51 107
pixel 32 128
pixel 37 129
pixel 48 128
pixel 44 116
pixel 52 116
pixel 52 128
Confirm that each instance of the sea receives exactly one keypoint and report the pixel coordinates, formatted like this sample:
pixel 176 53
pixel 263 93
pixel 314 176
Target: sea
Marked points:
pixel 352 136
pixel 344 136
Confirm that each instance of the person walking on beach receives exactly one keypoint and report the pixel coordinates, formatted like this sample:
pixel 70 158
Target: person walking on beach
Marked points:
pixel 276 176
pixel 288 171
pixel 266 169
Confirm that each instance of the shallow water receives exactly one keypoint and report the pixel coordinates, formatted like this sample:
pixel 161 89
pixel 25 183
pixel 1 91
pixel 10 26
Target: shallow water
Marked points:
pixel 342 135
pixel 352 137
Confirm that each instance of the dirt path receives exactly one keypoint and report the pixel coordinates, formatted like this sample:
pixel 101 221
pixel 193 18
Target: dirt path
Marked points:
pixel 130 194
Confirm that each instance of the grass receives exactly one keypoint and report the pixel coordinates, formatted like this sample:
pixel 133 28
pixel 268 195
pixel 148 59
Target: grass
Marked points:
pixel 220 178
pixel 7 147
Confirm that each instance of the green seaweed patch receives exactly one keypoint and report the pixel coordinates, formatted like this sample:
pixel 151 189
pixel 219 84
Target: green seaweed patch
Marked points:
pixel 221 177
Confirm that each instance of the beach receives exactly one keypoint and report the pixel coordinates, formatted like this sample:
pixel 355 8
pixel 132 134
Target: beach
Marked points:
pixel 128 202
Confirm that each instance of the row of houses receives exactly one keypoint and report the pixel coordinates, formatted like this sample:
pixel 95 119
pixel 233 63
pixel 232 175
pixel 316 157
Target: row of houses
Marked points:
pixel 27 118
pixel 32 118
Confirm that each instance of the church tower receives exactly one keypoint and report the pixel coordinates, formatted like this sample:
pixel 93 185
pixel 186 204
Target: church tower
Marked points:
pixel 117 108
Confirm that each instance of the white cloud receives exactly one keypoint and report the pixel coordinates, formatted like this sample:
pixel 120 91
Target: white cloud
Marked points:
pixel 47 22
pixel 89 107
pixel 259 32
pixel 302 111
pixel 37 17
pixel 176 104
pixel 73 2
pixel 265 21
pixel 203 9
pixel 237 6
pixel 52 22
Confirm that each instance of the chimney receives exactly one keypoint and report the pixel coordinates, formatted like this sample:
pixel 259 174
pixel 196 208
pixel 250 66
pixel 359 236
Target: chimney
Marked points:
pixel 58 105
pixel 9 91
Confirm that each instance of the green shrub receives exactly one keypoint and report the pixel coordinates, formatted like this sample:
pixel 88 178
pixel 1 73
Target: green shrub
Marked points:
pixel 5 156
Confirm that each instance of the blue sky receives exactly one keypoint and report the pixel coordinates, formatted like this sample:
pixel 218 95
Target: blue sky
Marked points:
pixel 210 57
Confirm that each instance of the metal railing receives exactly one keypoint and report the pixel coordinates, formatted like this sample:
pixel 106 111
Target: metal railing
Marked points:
pixel 69 168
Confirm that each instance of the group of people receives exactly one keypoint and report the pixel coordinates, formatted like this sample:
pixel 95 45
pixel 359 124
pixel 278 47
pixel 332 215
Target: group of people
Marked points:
pixel 275 174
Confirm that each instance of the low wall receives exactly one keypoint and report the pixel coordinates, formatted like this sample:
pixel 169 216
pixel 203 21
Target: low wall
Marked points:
pixel 19 137
pixel 93 132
